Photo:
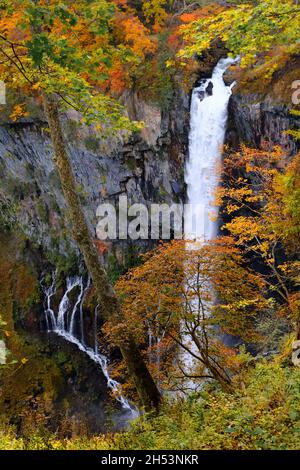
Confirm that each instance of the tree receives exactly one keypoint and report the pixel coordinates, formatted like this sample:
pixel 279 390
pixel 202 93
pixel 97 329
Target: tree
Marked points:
pixel 155 11
pixel 260 205
pixel 135 44
pixel 252 30
pixel 61 53
pixel 187 298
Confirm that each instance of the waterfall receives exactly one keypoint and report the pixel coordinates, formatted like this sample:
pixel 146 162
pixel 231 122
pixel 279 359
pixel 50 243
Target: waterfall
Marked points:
pixel 209 111
pixel 208 119
pixel 81 310
pixel 64 324
pixel 75 308
pixel 49 313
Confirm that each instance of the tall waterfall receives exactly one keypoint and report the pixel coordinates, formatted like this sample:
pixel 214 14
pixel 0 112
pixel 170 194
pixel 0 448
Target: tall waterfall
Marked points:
pixel 68 323
pixel 208 119
pixel 207 131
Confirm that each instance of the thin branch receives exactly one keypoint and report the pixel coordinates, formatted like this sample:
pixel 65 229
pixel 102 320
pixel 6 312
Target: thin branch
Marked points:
pixel 16 65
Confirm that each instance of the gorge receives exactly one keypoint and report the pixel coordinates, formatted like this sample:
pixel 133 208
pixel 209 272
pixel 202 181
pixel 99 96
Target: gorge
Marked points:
pixel 143 102
pixel 37 192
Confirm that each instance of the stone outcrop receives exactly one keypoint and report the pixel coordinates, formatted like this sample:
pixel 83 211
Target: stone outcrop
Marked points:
pixel 147 168
pixel 254 120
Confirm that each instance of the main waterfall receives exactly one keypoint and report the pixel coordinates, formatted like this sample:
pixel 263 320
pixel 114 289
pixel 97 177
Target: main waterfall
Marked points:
pixel 209 112
pixel 208 119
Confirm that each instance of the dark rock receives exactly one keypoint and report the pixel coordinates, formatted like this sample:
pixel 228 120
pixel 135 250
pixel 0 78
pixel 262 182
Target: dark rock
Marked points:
pixel 253 120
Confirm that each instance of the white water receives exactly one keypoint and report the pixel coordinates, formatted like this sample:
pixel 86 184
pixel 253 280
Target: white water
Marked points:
pixel 49 313
pixel 64 324
pixel 209 112
pixel 208 120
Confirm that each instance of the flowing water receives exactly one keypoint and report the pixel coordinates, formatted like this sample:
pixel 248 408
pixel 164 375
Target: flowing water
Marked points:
pixel 208 120
pixel 209 112
pixel 69 324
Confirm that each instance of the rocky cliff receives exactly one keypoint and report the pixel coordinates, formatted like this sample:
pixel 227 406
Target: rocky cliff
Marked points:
pixel 254 120
pixel 149 167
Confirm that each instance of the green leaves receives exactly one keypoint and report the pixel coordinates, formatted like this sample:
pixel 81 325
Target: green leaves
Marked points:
pixel 65 15
pixel 249 30
pixel 65 48
pixel 38 48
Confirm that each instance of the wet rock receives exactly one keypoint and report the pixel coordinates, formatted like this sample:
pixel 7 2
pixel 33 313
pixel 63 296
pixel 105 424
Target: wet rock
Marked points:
pixel 255 120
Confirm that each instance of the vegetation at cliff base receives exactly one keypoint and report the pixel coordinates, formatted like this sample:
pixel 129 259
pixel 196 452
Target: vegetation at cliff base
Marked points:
pixel 201 336
pixel 264 414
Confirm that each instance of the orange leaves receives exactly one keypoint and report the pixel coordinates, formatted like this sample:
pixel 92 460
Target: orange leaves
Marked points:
pixel 133 34
pixel 206 11
pixel 174 40
pixel 118 78
pixel 189 17
pixel 260 198
pixel 135 46
pixel 198 286
pixel 9 26
pixel 18 112
pixel 120 3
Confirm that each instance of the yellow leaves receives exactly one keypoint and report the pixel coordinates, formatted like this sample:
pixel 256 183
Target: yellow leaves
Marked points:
pixel 18 112
pixel 98 127
pixel 232 208
pixel 24 360
pixel 155 11
pixel 246 228
pixel 251 177
pixel 251 31
pixel 247 59
pixel 170 63
pixel 264 248
pixel 36 86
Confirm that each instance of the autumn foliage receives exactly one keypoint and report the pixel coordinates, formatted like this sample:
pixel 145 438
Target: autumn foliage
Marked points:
pixel 187 298
pixel 260 200
pixel 182 300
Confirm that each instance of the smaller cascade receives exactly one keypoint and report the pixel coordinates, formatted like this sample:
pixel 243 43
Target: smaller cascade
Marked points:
pixel 81 310
pixel 75 308
pixel 49 313
pixel 63 310
pixel 65 325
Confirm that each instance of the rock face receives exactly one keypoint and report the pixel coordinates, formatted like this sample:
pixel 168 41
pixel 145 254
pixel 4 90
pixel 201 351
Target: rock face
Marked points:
pixel 147 168
pixel 33 229
pixel 254 120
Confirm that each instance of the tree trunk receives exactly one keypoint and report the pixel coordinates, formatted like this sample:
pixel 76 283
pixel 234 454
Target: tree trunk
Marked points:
pixel 106 296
